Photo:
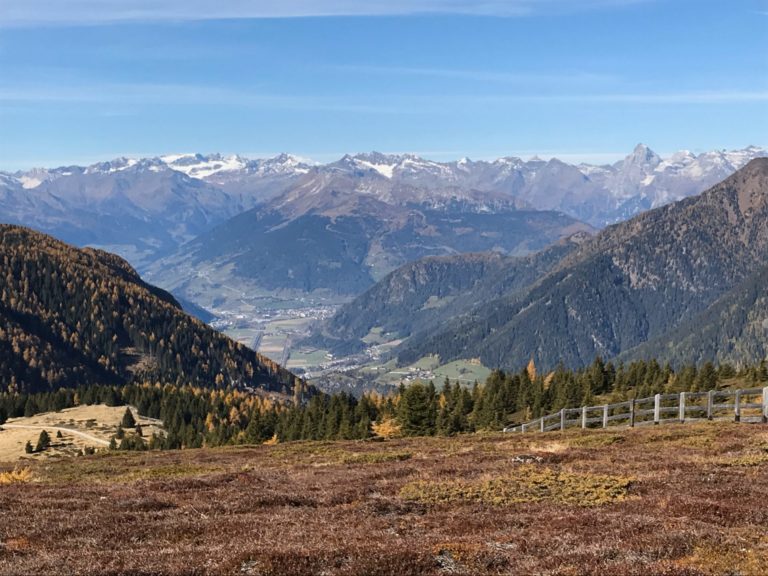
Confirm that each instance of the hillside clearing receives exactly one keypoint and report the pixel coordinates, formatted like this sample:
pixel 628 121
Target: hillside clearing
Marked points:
pixel 81 427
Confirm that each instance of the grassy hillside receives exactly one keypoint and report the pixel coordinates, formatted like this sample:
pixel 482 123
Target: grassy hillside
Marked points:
pixel 677 499
pixel 73 430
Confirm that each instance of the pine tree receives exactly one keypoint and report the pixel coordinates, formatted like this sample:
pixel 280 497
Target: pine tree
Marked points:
pixel 707 379
pixel 128 420
pixel 30 408
pixel 43 441
pixel 417 410
pixel 28 447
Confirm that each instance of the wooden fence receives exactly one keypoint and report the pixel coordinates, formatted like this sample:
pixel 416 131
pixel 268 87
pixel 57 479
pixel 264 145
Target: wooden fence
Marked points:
pixel 747 405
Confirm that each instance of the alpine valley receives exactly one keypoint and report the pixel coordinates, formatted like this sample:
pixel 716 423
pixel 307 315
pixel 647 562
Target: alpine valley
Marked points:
pixel 397 266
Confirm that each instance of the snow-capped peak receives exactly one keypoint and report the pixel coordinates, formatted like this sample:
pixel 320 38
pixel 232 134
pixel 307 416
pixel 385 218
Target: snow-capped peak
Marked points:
pixel 286 162
pixel 383 164
pixel 200 166
pixel 116 165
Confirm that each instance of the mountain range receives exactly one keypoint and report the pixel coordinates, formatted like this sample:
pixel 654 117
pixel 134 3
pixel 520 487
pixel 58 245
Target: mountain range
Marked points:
pixel 338 231
pixel 140 209
pixel 207 225
pixel 146 208
pixel 683 282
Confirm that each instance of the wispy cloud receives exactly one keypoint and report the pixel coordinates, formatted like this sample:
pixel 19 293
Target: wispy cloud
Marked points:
pixel 141 94
pixel 34 12
pixel 185 94
pixel 480 75
pixel 694 97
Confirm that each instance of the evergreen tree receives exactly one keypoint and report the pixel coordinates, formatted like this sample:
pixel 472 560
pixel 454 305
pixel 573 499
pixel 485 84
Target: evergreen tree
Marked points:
pixel 28 447
pixel 416 410
pixel 30 408
pixel 128 420
pixel 43 442
pixel 707 378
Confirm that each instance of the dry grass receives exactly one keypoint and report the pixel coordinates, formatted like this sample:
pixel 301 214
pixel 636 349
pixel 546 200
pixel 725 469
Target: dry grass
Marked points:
pixel 745 460
pixel 464 505
pixel 525 484
pixel 15 476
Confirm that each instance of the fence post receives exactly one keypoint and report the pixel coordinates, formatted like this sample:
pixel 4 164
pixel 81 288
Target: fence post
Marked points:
pixel 632 413
pixel 682 407
pixel 542 423
pixel 583 416
pixel 737 407
pixel 656 408
pixel 765 405
pixel 562 419
pixel 710 405
pixel 605 416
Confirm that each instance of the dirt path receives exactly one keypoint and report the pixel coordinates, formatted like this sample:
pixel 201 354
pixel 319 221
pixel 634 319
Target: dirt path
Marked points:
pixel 62 430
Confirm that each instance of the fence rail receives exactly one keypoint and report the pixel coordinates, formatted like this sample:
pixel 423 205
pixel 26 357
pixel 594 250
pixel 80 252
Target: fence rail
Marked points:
pixel 745 405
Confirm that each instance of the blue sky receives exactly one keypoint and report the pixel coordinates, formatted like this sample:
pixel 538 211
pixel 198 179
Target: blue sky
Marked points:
pixel 85 80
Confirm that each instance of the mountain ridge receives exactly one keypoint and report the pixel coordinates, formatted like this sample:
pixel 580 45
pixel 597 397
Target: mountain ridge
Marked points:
pixel 365 214
pixel 631 283
pixel 643 179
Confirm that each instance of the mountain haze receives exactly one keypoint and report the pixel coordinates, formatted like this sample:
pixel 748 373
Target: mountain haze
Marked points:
pixel 340 231
pixel 146 208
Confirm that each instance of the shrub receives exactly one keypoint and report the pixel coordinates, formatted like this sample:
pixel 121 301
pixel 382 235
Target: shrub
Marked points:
pixel 16 476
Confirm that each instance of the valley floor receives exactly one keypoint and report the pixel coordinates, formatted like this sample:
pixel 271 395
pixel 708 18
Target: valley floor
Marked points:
pixel 677 499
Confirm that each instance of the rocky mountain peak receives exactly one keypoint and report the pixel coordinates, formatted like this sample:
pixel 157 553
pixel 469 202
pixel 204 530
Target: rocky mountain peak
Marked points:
pixel 643 156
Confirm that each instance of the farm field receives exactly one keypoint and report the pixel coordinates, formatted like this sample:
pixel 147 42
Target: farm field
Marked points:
pixel 467 372
pixel 675 499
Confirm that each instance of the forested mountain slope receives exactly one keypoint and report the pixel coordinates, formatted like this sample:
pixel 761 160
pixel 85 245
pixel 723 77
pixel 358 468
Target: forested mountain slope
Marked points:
pixel 734 329
pixel 71 317
pixel 422 294
pixel 633 282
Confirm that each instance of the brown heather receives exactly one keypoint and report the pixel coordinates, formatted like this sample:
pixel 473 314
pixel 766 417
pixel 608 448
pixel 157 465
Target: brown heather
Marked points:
pixel 672 500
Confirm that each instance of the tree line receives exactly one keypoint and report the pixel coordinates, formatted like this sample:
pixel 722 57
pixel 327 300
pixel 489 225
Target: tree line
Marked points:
pixel 194 416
